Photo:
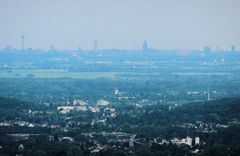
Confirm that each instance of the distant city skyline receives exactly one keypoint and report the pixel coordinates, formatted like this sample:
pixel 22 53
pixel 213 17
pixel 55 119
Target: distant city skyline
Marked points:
pixel 107 24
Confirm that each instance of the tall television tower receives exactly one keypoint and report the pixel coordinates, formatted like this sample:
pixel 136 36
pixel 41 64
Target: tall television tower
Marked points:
pixel 23 41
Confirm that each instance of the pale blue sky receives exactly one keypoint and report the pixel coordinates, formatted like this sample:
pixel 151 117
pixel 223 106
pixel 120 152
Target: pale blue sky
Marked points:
pixel 167 24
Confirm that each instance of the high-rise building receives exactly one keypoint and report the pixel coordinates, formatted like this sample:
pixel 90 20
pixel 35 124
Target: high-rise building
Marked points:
pixel 207 49
pixel 145 46
pixel 52 48
pixel 233 49
pixel 23 41
pixel 95 45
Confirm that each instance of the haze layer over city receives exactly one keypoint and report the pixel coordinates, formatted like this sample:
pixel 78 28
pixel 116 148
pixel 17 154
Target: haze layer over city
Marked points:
pixel 129 78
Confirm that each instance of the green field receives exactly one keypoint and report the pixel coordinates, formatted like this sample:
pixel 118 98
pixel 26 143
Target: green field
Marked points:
pixel 201 73
pixel 60 73
pixel 56 73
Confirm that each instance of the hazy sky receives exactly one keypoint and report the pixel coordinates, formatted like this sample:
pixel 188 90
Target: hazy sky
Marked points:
pixel 68 24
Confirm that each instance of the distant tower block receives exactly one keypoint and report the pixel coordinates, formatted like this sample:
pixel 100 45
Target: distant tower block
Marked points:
pixel 207 49
pixel 233 49
pixel 52 48
pixel 23 41
pixel 79 48
pixel 95 45
pixel 145 46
